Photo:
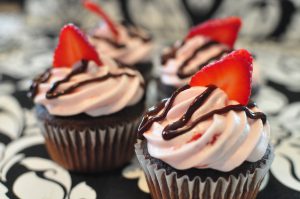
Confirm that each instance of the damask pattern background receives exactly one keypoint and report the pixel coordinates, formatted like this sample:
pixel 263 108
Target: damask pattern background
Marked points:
pixel 270 31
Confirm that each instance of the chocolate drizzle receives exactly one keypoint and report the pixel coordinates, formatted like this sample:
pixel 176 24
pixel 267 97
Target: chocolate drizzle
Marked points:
pixel 171 54
pixel 35 83
pixel 180 126
pixel 183 75
pixel 150 117
pixel 78 68
pixel 132 31
pixel 180 72
pixel 251 104
pixel 109 41
pixel 172 131
pixel 168 132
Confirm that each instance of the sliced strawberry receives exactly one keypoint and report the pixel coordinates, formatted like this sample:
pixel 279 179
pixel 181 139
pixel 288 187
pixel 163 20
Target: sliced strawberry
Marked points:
pixel 95 8
pixel 72 47
pixel 222 30
pixel 232 74
pixel 214 139
pixel 195 137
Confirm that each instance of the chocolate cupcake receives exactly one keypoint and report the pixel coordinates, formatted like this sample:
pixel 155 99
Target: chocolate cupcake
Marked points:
pixel 88 107
pixel 207 140
pixel 124 42
pixel 204 43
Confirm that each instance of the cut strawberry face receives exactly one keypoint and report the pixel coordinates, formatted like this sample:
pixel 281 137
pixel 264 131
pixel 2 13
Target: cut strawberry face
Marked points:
pixel 221 30
pixel 232 74
pixel 72 47
pixel 93 7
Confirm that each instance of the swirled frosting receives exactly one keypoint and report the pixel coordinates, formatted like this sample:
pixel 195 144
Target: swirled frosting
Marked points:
pixel 221 142
pixel 181 61
pixel 97 90
pixel 133 46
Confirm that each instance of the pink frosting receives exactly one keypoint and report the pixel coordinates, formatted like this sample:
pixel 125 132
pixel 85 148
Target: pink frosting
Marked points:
pixel 135 50
pixel 95 99
pixel 222 143
pixel 169 70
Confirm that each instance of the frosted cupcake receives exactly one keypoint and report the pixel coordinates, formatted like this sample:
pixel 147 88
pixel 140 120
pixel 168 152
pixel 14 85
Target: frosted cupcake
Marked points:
pixel 124 42
pixel 204 44
pixel 88 107
pixel 207 140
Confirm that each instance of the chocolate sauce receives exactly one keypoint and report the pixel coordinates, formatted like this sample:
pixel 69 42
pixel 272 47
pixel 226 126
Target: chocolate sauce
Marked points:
pixel 149 118
pixel 171 54
pixel 180 73
pixel 124 65
pixel 35 83
pixel 171 132
pixel 109 41
pixel 78 68
pixel 180 126
pixel 53 94
pixel 251 104
pixel 197 103
pixel 134 31
pixel 183 75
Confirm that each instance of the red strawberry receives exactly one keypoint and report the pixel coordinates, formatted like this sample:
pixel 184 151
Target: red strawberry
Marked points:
pixel 72 47
pixel 93 7
pixel 222 30
pixel 232 74
pixel 195 137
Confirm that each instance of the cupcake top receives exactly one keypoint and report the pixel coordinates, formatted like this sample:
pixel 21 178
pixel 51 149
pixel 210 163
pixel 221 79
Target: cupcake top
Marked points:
pixel 124 42
pixel 210 122
pixel 81 82
pixel 205 43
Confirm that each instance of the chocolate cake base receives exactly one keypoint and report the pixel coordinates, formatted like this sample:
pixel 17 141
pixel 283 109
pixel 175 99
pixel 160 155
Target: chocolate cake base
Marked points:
pixel 87 144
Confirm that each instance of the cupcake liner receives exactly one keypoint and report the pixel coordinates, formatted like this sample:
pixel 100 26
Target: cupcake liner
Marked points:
pixel 169 186
pixel 90 149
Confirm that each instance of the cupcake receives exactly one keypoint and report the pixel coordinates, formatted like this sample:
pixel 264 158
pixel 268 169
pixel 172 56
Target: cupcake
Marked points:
pixel 124 42
pixel 204 43
pixel 88 107
pixel 207 140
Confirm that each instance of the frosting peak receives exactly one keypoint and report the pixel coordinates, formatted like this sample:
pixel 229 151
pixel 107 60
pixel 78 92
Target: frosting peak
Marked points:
pixel 202 128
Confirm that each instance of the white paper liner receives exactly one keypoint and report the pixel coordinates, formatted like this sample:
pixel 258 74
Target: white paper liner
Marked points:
pixel 169 186
pixel 90 150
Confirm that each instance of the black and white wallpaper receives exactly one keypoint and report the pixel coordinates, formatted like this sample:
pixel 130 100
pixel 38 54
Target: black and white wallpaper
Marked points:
pixel 169 20
pixel 263 19
pixel 26 171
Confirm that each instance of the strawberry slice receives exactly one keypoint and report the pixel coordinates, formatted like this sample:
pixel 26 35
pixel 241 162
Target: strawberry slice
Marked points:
pixel 93 7
pixel 72 47
pixel 223 30
pixel 231 74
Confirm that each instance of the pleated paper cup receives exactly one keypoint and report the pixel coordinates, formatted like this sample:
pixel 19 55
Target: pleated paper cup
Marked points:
pixel 90 149
pixel 169 186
